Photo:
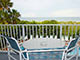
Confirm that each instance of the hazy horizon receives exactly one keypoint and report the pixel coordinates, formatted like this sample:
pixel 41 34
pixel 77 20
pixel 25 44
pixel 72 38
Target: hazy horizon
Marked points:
pixel 77 19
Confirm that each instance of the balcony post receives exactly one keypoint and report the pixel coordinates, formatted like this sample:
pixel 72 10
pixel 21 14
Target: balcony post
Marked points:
pixel 61 32
pixel 23 33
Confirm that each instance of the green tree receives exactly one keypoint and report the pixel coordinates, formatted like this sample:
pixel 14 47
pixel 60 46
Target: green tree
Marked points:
pixel 5 4
pixel 14 16
pixel 7 14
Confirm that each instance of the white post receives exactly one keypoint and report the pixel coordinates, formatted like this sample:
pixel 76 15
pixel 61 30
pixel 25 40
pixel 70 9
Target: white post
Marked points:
pixel 60 32
pixel 71 34
pixel 20 56
pixel 53 31
pixel 68 31
pixel 76 31
pixel 26 32
pixel 8 53
pixel 23 31
pixel 16 32
pixel 46 32
pixel 36 32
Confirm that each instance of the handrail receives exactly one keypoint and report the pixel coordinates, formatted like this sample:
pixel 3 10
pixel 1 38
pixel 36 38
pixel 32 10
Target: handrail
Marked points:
pixel 22 32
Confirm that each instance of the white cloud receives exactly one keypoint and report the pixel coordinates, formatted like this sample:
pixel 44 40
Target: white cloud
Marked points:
pixel 47 8
pixel 29 15
pixel 35 4
pixel 66 13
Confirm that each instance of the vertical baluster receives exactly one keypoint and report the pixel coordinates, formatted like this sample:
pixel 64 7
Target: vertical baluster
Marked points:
pixel 61 36
pixel 66 37
pixel 13 31
pixel 57 31
pixel 72 32
pixel 2 30
pixel 53 31
pixel 39 31
pixel 3 42
pixel 36 31
pixel 68 31
pixel 65 32
pixel 79 30
pixel 1 39
pixel 75 31
pixel 26 32
pixel 49 31
pixel 5 29
pixel 33 30
pixel 20 32
pixel 5 34
pixel 10 31
pixel 16 32
pixel 23 32
pixel 30 32
pixel 46 32
pixel 43 31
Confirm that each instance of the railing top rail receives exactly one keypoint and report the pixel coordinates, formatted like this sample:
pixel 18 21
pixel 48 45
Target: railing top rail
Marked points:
pixel 40 24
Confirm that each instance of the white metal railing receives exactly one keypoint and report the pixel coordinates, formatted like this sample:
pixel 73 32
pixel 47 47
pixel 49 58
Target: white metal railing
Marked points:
pixel 30 31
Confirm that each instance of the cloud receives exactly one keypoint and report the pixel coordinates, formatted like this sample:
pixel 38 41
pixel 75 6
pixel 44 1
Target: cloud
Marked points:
pixel 30 14
pixel 35 4
pixel 66 13
pixel 47 8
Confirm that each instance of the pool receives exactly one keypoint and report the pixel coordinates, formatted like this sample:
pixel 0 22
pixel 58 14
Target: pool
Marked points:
pixel 45 56
pixel 74 52
pixel 49 55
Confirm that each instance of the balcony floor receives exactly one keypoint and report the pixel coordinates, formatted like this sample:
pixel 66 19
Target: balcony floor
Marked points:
pixel 4 56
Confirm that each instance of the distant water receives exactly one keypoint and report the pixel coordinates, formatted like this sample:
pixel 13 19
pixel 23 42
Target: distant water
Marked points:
pixel 77 19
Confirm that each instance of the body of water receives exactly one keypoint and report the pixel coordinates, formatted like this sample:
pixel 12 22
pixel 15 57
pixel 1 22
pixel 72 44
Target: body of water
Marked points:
pixel 77 19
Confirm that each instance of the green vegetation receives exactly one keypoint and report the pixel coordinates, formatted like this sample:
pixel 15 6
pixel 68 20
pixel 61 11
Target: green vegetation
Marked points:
pixel 8 15
pixel 47 22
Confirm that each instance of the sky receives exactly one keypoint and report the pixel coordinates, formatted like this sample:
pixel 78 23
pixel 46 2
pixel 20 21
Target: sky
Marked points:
pixel 47 8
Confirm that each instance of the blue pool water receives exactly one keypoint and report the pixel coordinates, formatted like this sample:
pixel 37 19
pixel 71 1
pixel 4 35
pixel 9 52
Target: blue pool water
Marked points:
pixel 74 52
pixel 49 55
pixel 57 55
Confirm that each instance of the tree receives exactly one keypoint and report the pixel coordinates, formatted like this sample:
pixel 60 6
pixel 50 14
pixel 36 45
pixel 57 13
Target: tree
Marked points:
pixel 5 4
pixel 14 16
pixel 7 14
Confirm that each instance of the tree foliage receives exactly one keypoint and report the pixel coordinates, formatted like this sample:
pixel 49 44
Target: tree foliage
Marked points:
pixel 8 15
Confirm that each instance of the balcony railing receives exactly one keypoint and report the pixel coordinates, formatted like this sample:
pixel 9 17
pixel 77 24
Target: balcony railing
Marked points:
pixel 23 32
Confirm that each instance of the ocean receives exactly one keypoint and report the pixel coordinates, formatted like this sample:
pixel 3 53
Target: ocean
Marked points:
pixel 77 19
